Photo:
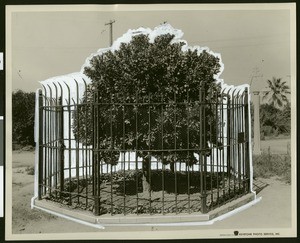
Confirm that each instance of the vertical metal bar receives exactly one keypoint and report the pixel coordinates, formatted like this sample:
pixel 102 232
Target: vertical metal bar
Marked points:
pixel 61 146
pixel 241 130
pixel 163 186
pixel 162 157
pixel 205 157
pixel 50 143
pixel 188 107
pixel 82 160
pixel 234 136
pixel 111 151
pixel 217 124
pixel 123 145
pixel 129 161
pixel 201 148
pixel 212 132
pixel 93 150
pixel 52 166
pixel 95 153
pixel 47 147
pixel 136 153
pixel 175 160
pixel 241 101
pixel 86 105
pixel 69 143
pixel 223 148
pixel 238 143
pixel 98 153
pixel 242 166
pixel 202 155
pixel 229 141
pixel 247 144
pixel 45 120
pixel 56 143
pixel 213 106
pixel 82 150
pixel 77 140
pixel 149 153
pixel 238 150
pixel 70 151
pixel 211 149
pixel 41 155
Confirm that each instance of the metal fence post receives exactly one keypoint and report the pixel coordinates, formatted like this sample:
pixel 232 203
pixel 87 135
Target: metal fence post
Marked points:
pixel 95 153
pixel 229 141
pixel 247 137
pixel 202 145
pixel 61 144
pixel 41 122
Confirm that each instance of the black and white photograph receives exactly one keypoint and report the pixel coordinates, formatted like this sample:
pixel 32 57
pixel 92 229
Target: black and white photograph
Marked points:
pixel 166 121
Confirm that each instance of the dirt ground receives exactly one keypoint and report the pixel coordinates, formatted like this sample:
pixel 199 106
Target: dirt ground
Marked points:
pixel 273 211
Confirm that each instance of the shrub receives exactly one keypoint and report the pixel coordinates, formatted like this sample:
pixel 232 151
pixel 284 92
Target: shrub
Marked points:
pixel 267 165
pixel 23 107
pixel 267 130
pixel 273 121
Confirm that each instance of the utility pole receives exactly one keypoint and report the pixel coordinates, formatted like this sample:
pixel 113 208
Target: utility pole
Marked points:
pixel 256 125
pixel 256 104
pixel 110 23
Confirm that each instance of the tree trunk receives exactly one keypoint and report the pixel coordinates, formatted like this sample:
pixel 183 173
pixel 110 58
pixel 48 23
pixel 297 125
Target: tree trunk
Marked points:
pixel 172 166
pixel 145 178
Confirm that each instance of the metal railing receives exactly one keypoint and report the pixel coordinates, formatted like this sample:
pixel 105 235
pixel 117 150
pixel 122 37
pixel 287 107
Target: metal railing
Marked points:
pixel 153 155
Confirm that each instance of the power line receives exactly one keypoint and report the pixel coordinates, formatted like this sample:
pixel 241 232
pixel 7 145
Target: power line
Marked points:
pixel 263 37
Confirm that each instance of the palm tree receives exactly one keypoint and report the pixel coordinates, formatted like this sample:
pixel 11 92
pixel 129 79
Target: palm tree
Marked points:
pixel 276 96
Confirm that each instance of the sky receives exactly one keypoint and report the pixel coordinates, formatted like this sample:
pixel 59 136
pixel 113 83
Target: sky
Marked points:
pixel 254 44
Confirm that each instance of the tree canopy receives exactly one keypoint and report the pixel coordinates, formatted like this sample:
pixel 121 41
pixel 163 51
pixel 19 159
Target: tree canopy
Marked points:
pixel 23 117
pixel 276 96
pixel 128 83
pixel 275 121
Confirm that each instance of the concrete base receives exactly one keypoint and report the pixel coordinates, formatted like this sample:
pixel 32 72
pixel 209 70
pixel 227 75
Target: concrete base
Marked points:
pixel 88 218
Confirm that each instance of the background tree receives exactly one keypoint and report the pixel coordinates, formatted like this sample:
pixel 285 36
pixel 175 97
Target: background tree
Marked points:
pixel 275 121
pixel 23 104
pixel 141 74
pixel 276 96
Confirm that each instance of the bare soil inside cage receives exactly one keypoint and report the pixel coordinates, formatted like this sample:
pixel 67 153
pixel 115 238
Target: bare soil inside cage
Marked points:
pixel 122 192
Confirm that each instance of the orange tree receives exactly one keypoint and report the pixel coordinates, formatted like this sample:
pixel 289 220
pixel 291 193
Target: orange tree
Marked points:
pixel 145 96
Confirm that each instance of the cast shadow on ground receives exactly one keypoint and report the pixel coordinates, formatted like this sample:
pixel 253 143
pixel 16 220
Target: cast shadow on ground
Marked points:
pixel 258 185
